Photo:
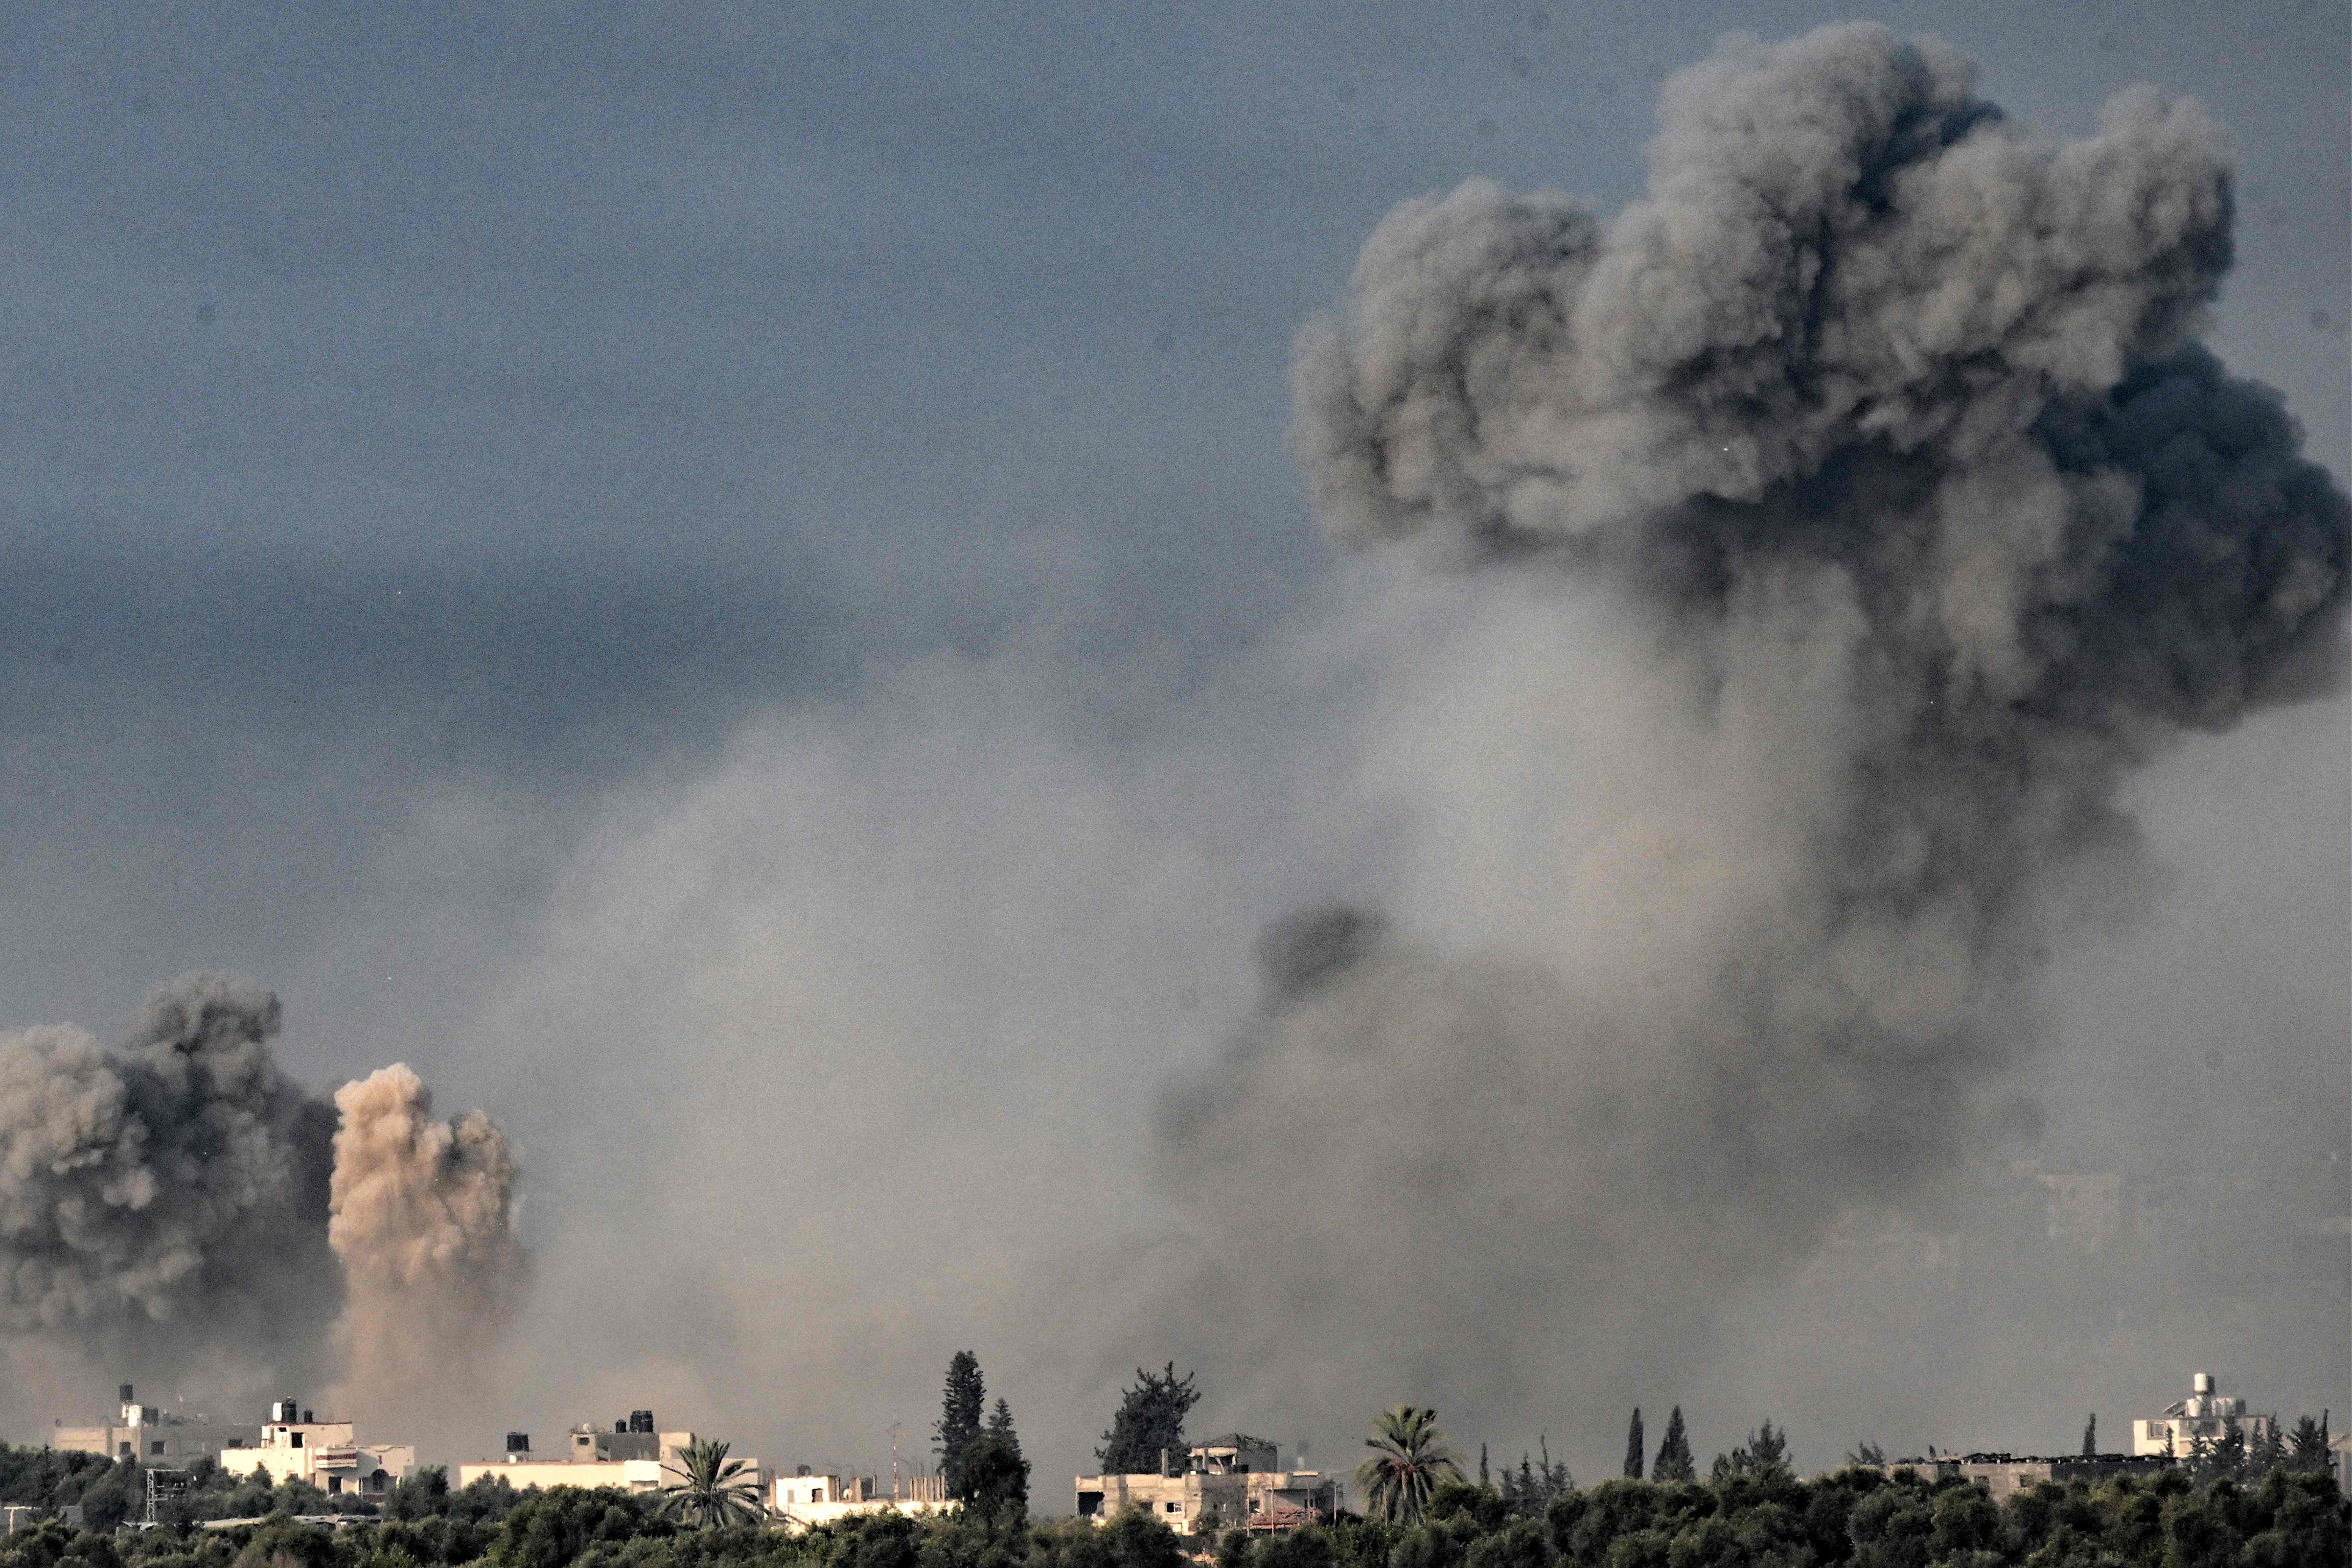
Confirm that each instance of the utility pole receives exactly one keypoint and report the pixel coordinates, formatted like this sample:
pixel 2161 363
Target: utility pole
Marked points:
pixel 894 1461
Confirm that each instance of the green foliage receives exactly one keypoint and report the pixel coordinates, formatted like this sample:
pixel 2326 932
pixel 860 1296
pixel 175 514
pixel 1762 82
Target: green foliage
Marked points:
pixel 113 1496
pixel 46 1478
pixel 1674 1461
pixel 710 1490
pixel 420 1495
pixel 1409 1459
pixel 993 1480
pixel 1522 1543
pixel 1480 1508
pixel 1529 1491
pixel 2306 1448
pixel 961 1403
pixel 1633 1470
pixel 1765 1452
pixel 877 1541
pixel 1150 1419
pixel 1132 1539
pixel 552 1528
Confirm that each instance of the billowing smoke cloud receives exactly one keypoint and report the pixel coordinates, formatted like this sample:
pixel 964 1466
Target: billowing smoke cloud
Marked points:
pixel 169 1194
pixel 425 1224
pixel 165 1205
pixel 1850 516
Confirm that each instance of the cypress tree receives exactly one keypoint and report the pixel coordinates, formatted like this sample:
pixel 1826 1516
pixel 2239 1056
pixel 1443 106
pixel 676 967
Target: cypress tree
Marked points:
pixel 1673 1462
pixel 2091 1435
pixel 1633 1447
pixel 1556 1478
pixel 1482 1464
pixel 959 1410
pixel 992 1479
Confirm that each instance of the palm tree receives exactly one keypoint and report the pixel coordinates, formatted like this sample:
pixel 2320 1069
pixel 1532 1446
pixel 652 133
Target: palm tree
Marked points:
pixel 1409 1459
pixel 711 1488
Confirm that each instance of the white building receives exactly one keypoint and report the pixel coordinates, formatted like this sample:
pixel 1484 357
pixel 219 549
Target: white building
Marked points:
pixel 2207 1414
pixel 296 1446
pixel 804 1500
pixel 1226 1483
pixel 631 1456
pixel 154 1436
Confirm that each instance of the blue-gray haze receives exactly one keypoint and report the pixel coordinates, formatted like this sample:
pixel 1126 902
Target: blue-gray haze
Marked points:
pixel 725 582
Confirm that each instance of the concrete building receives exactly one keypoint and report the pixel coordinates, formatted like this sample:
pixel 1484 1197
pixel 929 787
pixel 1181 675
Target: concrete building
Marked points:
pixel 804 1500
pixel 1232 1482
pixel 632 1456
pixel 152 1435
pixel 2003 1475
pixel 295 1445
pixel 2207 1414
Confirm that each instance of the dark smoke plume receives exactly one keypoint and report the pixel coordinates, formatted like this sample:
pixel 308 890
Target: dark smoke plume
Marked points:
pixel 168 1192
pixel 164 1204
pixel 1850 516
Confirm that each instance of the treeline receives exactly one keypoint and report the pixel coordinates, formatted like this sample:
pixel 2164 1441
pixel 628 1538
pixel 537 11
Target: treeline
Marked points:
pixel 1758 1519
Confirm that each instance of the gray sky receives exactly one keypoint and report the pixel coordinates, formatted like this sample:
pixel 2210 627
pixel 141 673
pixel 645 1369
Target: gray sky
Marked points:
pixel 535 530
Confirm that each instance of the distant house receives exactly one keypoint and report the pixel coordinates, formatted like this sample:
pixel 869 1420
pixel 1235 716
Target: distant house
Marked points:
pixel 632 1456
pixel 2004 1476
pixel 804 1499
pixel 294 1445
pixel 2207 1414
pixel 152 1436
pixel 1233 1482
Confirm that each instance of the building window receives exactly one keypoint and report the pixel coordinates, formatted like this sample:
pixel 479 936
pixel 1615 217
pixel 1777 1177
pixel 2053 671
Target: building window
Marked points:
pixel 1175 1508
pixel 293 1439
pixel 1090 1504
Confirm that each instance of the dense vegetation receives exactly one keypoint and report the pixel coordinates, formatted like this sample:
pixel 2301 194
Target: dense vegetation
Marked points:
pixel 1761 1517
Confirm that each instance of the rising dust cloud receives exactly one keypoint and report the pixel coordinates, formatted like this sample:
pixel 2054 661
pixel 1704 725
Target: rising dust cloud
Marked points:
pixel 423 1222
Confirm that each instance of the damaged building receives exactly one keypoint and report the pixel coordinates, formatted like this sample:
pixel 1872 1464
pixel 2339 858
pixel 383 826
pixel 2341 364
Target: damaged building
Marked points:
pixel 152 1435
pixel 1234 1482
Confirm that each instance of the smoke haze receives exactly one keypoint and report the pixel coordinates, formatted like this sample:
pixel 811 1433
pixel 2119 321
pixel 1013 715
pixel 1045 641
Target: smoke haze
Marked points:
pixel 1593 939
pixel 1821 545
